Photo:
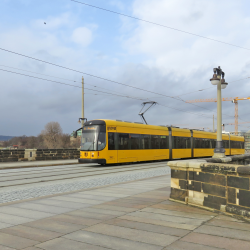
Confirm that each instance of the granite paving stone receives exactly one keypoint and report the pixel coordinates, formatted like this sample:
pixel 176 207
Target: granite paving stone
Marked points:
pixel 116 208
pixel 133 234
pixel 109 241
pixel 178 213
pixel 103 211
pixel 76 219
pixel 13 219
pixel 43 208
pixel 165 189
pixel 31 233
pixel 229 224
pixel 24 212
pixel 181 245
pixel 105 194
pixel 55 226
pixel 178 207
pixel 66 244
pixel 145 195
pixel 217 241
pixel 5 225
pixel 6 248
pixel 32 248
pixel 224 232
pixel 134 215
pixel 153 200
pixel 92 197
pixel 159 222
pixel 121 191
pixel 59 203
pixel 227 218
pixel 124 204
pixel 97 216
pixel 133 201
pixel 169 218
pixel 77 200
pixel 148 227
pixel 15 241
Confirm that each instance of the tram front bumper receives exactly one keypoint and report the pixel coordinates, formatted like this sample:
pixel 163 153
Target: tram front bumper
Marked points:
pixel 99 161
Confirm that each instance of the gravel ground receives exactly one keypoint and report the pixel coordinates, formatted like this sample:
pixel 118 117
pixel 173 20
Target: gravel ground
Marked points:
pixel 67 186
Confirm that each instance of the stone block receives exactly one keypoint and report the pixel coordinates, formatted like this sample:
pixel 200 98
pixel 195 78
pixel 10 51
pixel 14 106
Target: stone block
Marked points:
pixel 214 202
pixel 214 190
pixel 178 194
pixel 179 174
pixel 23 159
pixel 244 198
pixel 231 195
pixel 239 210
pixel 216 179
pixel 238 182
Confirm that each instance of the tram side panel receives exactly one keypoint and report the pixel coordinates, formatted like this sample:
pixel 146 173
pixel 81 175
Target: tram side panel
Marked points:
pixel 237 145
pixel 181 143
pixel 142 144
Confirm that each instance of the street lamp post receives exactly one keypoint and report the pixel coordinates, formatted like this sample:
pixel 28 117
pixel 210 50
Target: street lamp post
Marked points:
pixel 218 79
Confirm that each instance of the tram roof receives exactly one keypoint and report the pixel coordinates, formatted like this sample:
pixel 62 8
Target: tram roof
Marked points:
pixel 140 125
pixel 156 127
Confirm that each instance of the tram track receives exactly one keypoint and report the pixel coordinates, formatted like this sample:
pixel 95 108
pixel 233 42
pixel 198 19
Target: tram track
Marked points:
pixel 49 175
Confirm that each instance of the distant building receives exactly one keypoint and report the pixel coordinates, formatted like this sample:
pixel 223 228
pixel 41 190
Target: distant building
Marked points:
pixel 76 140
pixel 79 134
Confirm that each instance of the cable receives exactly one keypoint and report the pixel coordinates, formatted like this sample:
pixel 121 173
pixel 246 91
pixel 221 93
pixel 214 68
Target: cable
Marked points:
pixel 59 78
pixel 105 79
pixel 68 84
pixel 93 90
pixel 164 26
pixel 183 110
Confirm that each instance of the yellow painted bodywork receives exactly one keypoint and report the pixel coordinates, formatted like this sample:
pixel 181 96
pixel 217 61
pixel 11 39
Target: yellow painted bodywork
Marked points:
pixel 237 151
pixel 181 153
pixel 122 156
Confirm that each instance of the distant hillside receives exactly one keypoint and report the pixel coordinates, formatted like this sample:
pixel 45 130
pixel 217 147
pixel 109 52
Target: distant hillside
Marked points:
pixel 5 138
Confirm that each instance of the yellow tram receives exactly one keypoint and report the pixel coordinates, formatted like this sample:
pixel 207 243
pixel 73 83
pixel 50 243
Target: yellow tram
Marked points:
pixel 110 142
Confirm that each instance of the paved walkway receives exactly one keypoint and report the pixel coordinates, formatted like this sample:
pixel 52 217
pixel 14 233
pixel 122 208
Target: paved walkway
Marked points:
pixel 27 164
pixel 135 215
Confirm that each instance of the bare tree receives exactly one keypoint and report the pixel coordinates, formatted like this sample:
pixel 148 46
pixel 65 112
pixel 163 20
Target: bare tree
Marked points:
pixel 65 139
pixel 52 135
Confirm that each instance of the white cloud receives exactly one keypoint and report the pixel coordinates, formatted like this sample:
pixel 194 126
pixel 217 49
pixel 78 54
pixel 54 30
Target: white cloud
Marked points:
pixel 170 50
pixel 82 36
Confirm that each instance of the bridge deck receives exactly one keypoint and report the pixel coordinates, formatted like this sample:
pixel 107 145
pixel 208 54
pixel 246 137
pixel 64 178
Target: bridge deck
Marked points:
pixel 132 215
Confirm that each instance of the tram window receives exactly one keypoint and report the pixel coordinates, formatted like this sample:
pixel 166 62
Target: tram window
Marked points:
pixel 164 144
pixel 123 141
pixel 135 141
pixel 155 142
pixel 111 141
pixel 187 141
pixel 226 144
pixel 145 142
pixel 101 140
pixel 206 143
pixel 237 144
pixel 181 142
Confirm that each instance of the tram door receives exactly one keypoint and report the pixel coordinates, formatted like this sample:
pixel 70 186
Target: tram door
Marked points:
pixel 111 156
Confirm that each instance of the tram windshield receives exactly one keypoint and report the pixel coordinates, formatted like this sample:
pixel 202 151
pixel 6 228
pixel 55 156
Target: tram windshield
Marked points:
pixel 93 138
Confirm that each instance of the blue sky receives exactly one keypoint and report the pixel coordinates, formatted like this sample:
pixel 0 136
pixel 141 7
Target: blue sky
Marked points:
pixel 124 50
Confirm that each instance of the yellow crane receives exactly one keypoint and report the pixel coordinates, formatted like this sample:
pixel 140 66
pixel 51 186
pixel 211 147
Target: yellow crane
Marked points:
pixel 232 99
